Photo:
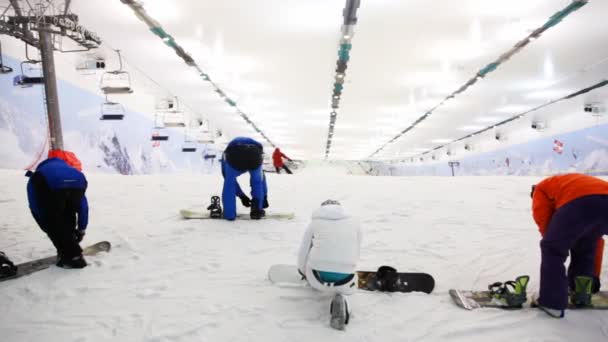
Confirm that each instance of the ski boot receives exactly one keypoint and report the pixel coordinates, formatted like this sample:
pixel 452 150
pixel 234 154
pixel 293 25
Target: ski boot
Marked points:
pixel 511 293
pixel 7 268
pixel 387 279
pixel 215 209
pixel 581 296
pixel 339 312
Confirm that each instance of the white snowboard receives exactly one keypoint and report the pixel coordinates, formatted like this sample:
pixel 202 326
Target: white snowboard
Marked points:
pixel 286 275
pixel 202 215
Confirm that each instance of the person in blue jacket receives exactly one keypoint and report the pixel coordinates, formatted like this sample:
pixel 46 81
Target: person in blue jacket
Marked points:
pixel 244 155
pixel 56 196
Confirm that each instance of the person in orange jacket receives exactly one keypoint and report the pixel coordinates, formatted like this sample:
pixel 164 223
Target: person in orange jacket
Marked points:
pixel 571 211
pixel 277 161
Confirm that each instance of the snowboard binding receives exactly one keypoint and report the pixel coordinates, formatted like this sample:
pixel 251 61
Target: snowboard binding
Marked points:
pixel 581 296
pixel 215 208
pixel 7 268
pixel 512 293
pixel 387 279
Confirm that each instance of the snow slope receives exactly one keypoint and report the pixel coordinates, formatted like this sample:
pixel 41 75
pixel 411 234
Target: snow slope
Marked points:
pixel 172 280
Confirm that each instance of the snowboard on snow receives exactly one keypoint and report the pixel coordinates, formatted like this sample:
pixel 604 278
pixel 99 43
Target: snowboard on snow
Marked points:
pixel 203 215
pixel 288 275
pixel 472 300
pixel 44 263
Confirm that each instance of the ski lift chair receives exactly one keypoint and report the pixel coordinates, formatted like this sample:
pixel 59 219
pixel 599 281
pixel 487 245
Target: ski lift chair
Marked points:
pixel 189 145
pixel 159 133
pixel 174 119
pixel 3 68
pixel 116 81
pixel 90 64
pixel 205 137
pixel 26 81
pixel 112 111
pixel 159 136
pixel 165 104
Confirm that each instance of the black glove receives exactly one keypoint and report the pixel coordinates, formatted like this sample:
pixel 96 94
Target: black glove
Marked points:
pixel 245 200
pixel 79 235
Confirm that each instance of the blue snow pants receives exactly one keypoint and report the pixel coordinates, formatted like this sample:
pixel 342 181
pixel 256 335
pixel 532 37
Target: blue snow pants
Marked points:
pixel 574 228
pixel 230 189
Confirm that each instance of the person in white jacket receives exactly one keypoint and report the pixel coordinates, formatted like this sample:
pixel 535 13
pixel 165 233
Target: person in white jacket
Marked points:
pixel 329 253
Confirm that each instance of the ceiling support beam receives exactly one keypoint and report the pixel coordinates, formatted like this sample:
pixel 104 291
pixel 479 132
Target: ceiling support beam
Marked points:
pixel 157 29
pixel 483 72
pixel 350 20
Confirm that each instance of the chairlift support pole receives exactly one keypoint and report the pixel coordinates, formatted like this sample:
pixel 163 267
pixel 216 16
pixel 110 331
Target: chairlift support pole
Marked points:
pixel 50 87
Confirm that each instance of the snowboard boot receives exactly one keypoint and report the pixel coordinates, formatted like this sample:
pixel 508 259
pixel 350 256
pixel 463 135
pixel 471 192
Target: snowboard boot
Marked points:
pixel 7 268
pixel 581 296
pixel 512 293
pixel 339 312
pixel 75 262
pixel 256 213
pixel 215 209
pixel 387 279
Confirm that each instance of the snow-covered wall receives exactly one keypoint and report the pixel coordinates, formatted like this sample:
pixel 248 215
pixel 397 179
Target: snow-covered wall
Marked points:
pixel 583 151
pixel 123 146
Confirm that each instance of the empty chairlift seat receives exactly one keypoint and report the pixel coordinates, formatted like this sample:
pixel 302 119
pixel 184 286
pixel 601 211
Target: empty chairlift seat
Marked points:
pixel 112 111
pixel 189 147
pixel 90 64
pixel 174 119
pixel 204 137
pixel 116 81
pixel 24 80
pixel 159 134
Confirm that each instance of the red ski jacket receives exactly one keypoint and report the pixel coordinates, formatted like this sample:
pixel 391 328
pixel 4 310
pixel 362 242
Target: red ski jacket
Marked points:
pixel 553 192
pixel 277 157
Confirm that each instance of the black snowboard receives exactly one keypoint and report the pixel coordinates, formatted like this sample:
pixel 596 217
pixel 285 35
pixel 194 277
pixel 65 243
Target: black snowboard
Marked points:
pixel 406 282
pixel 44 263
pixel 400 282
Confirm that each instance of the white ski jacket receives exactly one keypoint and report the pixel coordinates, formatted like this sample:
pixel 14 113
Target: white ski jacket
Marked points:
pixel 331 242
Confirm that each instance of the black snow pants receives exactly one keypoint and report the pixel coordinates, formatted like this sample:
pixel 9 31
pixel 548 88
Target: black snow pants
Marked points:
pixel 57 217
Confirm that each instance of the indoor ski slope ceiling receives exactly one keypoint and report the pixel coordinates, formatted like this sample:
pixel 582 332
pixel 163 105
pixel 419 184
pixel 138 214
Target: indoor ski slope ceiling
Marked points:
pixel 277 60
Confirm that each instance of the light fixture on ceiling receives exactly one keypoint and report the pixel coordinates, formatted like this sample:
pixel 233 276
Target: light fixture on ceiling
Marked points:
pixel 441 141
pixel 503 58
pixel 471 128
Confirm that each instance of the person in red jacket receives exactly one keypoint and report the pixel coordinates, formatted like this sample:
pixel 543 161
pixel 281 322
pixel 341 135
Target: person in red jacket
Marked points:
pixel 571 212
pixel 277 160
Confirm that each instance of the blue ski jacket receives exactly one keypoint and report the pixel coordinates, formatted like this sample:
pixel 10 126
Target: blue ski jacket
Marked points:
pixel 59 175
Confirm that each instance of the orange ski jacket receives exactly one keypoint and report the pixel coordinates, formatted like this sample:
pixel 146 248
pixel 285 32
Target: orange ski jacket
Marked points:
pixel 553 192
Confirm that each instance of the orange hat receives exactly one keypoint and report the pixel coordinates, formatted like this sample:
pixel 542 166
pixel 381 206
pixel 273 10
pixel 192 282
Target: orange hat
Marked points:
pixel 68 157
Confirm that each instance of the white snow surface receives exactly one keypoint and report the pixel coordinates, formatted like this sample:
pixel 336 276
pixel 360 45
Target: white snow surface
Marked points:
pixel 168 279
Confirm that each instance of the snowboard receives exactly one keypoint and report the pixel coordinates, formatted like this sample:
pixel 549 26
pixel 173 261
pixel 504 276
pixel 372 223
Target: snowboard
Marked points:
pixel 44 263
pixel 288 276
pixel 203 215
pixel 471 300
